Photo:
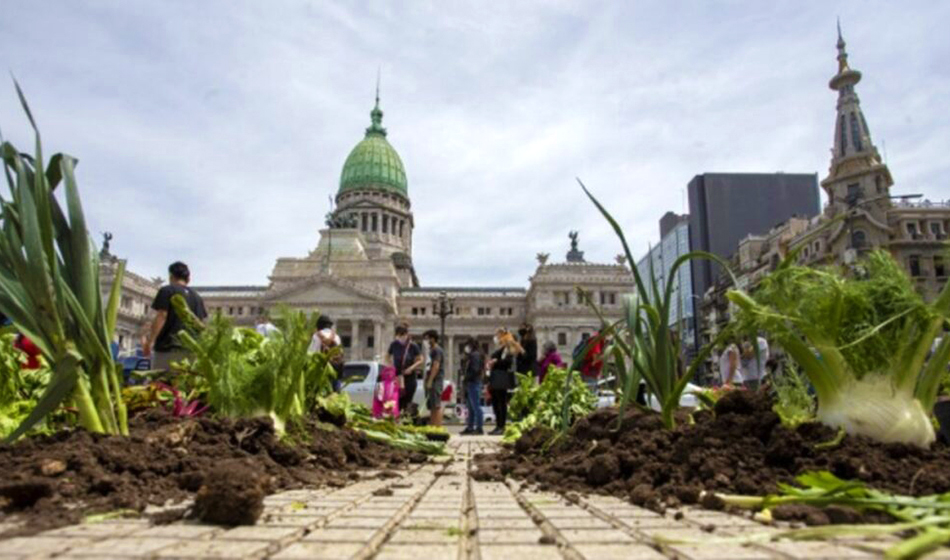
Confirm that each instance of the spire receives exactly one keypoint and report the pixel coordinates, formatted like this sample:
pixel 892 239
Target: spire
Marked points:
pixel 376 115
pixel 851 131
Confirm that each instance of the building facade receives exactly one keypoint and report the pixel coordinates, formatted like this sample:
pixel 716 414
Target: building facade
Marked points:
pixel 861 214
pixel 361 274
pixel 659 261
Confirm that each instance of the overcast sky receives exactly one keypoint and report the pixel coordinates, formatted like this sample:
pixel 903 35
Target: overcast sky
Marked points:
pixel 215 131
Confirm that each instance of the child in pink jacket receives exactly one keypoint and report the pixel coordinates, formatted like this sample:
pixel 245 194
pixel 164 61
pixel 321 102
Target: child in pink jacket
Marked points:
pixel 386 394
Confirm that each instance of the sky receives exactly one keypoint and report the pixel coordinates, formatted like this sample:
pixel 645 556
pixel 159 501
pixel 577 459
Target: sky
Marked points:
pixel 214 132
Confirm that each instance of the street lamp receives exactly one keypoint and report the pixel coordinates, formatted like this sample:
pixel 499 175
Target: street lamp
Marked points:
pixel 442 307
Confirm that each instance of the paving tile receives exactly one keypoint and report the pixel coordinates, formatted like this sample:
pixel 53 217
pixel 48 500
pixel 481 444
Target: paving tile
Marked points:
pixel 806 550
pixel 551 513
pixel 719 551
pixel 40 545
pixel 509 536
pixel 617 552
pixel 281 535
pixel 96 530
pixel 589 522
pixel 505 523
pixel 318 551
pixel 357 522
pixel 422 536
pixel 178 531
pixel 341 535
pixel 417 552
pixel 423 524
pixel 302 521
pixel 222 550
pixel 519 552
pixel 131 547
pixel 602 536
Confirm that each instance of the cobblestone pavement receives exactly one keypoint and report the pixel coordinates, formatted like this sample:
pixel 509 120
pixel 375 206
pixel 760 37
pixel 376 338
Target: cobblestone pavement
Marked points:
pixel 436 511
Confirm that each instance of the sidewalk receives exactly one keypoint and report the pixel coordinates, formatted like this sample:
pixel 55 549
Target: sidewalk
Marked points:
pixel 431 512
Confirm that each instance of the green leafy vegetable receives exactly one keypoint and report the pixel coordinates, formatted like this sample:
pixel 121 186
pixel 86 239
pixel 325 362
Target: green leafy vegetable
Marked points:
pixel 862 340
pixel 793 402
pixel 645 343
pixel 50 289
pixel 533 404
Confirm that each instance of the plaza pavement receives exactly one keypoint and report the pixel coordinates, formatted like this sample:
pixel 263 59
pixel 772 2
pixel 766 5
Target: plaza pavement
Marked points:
pixel 437 511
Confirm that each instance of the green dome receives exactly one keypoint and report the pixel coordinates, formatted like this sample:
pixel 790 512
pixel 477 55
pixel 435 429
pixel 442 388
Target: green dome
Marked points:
pixel 373 163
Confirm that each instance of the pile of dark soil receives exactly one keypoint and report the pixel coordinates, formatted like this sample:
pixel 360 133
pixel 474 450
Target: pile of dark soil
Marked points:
pixel 55 480
pixel 741 448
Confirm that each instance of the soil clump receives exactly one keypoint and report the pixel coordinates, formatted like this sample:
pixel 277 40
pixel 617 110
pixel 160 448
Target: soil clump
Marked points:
pixel 55 480
pixel 741 448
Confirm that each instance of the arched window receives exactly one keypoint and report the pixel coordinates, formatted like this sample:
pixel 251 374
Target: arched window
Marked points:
pixel 856 133
pixel 858 239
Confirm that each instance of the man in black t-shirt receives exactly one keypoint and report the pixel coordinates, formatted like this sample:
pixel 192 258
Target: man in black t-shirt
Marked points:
pixel 162 336
pixel 435 378
pixel 405 356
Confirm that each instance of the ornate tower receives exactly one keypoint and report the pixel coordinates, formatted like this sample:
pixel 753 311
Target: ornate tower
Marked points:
pixel 374 198
pixel 857 178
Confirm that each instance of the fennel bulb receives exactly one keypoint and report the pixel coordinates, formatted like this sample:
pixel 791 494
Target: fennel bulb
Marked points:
pixel 872 407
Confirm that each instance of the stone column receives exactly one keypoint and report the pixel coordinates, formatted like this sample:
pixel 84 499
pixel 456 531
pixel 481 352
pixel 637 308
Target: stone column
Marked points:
pixel 378 340
pixel 355 345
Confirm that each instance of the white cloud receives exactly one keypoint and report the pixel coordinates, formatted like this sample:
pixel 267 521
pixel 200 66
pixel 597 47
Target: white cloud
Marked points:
pixel 215 132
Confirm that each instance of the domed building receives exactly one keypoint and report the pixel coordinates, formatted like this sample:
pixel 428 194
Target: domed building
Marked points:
pixel 361 274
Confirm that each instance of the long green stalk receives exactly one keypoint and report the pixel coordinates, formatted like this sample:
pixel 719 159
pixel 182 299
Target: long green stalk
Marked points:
pixel 50 288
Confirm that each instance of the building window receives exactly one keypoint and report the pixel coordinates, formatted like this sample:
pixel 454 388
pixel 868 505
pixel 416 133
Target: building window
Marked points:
pixel 856 134
pixel 912 230
pixel 484 311
pixel 936 230
pixel 608 298
pixel 365 222
pixel 385 223
pixel 415 311
pixel 878 184
pixel 345 339
pixel 858 239
pixel 240 311
pixel 562 298
pixel 400 228
pixel 561 339
pixel 914 262
pixel 126 302
pixel 374 223
pixel 940 270
pixel 371 341
pixel 230 311
pixel 843 135
pixel 854 194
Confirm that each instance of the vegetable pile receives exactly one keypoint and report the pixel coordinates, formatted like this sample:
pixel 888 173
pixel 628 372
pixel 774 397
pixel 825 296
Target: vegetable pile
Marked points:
pixel 541 404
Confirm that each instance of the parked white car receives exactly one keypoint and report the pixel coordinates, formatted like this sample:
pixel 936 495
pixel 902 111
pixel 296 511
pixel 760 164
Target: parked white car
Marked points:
pixel 359 382
pixel 606 396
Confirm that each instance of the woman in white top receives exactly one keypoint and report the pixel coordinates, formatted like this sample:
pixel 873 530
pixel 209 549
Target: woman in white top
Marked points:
pixel 730 371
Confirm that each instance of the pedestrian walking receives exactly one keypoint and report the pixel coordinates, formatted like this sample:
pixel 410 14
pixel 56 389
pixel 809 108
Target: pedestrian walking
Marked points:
pixel 550 359
pixel 473 366
pixel 325 339
pixel 502 380
pixel 162 340
pixel 407 358
pixel 435 377
pixel 527 361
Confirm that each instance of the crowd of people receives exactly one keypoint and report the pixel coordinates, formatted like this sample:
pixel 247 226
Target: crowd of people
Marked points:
pixel 487 374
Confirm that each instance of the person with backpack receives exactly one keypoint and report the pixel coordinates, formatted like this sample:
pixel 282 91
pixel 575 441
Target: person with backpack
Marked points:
pixel 407 358
pixel 473 366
